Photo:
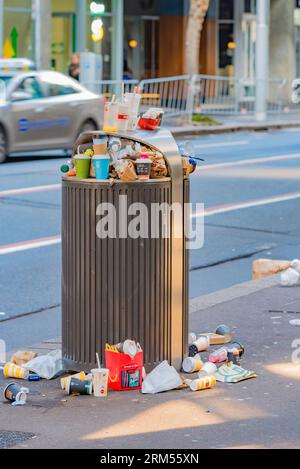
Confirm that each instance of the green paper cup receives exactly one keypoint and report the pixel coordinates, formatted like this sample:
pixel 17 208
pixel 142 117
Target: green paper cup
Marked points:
pixel 82 165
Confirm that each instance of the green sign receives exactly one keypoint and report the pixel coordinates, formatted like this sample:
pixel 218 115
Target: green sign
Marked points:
pixel 14 40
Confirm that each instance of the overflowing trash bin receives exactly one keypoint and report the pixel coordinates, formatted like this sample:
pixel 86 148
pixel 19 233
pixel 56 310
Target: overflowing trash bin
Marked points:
pixel 120 286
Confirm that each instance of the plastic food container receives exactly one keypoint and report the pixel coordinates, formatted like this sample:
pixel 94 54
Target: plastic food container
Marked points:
pixel 149 124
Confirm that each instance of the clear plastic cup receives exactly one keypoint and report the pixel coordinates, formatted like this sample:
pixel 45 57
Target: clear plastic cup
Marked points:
pixel 110 117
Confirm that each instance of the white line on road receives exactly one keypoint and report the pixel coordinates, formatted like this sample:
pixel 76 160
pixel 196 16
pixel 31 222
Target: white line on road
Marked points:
pixel 253 161
pixel 219 209
pixel 223 144
pixel 29 245
pixel 30 190
pixel 215 210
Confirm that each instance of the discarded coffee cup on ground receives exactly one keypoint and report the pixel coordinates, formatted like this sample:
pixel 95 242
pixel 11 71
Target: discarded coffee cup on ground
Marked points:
pixel 192 365
pixel 100 382
pixel 208 369
pixel 15 394
pixel 65 381
pixel 236 348
pixel 82 388
pixel 203 383
pixel 202 344
pixel 13 371
pixel 192 338
pixel 193 351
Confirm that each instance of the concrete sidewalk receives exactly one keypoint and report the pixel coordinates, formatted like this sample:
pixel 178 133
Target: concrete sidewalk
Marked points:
pixel 234 124
pixel 261 413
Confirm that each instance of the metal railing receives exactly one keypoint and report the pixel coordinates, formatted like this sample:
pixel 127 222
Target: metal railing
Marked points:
pixel 172 94
pixel 203 94
pixel 231 96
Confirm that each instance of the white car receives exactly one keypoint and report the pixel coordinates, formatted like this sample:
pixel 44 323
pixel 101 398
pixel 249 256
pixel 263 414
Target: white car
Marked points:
pixel 44 111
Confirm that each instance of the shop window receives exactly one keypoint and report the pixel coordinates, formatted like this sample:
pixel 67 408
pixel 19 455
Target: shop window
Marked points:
pixel 226 9
pixel 226 45
pixel 250 6
pixel 18 27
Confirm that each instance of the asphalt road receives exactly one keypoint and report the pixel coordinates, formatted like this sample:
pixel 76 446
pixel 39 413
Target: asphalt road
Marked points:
pixel 250 188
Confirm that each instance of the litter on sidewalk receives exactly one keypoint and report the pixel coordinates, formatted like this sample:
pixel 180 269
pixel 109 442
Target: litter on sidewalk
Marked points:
pixel 231 373
pixel 163 378
pixel 15 394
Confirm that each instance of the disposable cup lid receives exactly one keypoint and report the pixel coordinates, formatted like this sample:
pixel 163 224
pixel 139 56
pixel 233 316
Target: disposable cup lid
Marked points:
pixel 100 370
pixel 82 157
pixel 144 161
pixel 101 157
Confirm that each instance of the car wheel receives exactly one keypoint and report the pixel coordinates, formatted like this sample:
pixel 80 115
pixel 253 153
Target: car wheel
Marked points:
pixel 88 126
pixel 3 146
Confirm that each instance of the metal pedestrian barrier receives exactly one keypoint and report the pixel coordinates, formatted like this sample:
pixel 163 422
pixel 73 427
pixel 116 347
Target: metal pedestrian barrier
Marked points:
pixel 172 94
pixel 214 95
pixel 184 96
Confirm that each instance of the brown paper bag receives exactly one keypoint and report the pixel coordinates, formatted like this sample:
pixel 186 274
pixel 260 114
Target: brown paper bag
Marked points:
pixel 127 172
pixel 21 358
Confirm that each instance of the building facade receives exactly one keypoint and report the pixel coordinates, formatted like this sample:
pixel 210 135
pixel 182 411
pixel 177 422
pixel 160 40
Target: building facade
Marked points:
pixel 154 35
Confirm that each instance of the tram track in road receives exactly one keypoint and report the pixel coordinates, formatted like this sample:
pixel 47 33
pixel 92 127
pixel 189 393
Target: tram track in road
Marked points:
pixel 29 204
pixel 8 317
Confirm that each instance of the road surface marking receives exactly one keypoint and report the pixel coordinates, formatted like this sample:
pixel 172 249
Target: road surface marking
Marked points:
pixel 230 164
pixel 29 190
pixel 29 245
pixel 224 144
pixel 226 208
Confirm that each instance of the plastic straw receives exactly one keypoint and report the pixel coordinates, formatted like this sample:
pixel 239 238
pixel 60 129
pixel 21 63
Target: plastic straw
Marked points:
pixel 123 92
pixel 98 361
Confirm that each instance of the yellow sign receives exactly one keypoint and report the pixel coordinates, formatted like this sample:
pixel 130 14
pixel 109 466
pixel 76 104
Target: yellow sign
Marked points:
pixel 8 50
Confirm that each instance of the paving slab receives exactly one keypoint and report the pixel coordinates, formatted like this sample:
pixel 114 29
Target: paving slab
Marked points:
pixel 259 413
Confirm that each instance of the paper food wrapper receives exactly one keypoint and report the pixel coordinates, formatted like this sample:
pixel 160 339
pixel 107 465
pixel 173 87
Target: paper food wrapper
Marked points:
pixel 126 171
pixel 233 374
pixel 21 358
pixel 159 169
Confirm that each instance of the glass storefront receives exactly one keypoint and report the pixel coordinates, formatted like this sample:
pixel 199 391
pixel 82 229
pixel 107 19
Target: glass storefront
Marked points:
pixel 17 29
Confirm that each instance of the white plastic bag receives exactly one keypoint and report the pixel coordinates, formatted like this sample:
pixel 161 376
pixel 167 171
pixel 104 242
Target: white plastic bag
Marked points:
pixel 290 278
pixel 46 366
pixel 163 378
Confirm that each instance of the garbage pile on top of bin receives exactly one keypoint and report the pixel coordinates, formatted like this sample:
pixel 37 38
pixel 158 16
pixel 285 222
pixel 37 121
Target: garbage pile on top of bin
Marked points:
pixel 120 158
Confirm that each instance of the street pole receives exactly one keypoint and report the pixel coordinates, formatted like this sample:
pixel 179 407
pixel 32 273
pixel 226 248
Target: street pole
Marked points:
pixel 117 64
pixel 42 17
pixel 262 59
pixel 81 28
pixel 1 26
